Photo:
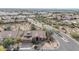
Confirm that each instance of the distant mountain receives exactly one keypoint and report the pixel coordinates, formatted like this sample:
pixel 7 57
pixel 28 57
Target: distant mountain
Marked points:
pixel 39 9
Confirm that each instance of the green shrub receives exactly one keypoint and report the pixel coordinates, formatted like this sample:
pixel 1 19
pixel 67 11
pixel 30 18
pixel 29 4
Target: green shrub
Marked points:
pixel 7 42
pixel 33 27
pixel 35 42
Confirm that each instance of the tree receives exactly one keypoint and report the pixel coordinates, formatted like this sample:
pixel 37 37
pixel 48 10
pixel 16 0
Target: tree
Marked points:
pixel 33 27
pixel 72 25
pixel 7 42
pixel 56 26
pixel 16 19
pixel 36 40
pixel 8 29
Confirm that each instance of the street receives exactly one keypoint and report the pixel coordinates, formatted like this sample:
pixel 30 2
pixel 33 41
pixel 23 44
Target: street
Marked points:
pixel 66 46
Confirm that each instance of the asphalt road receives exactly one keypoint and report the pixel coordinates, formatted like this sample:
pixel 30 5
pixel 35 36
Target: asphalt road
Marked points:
pixel 66 43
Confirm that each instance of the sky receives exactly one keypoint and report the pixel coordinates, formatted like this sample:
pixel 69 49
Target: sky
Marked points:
pixel 39 4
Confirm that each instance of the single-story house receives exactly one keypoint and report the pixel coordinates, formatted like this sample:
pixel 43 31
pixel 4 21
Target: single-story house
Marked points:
pixel 25 36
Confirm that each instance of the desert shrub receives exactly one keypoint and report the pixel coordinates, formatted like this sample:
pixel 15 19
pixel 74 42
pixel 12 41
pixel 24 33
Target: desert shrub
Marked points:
pixel 74 35
pixel 56 26
pixel 2 48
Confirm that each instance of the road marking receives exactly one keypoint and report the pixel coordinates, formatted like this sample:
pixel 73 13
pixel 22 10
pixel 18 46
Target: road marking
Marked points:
pixel 66 40
pixel 70 38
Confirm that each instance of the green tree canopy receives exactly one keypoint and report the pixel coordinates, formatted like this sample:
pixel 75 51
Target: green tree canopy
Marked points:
pixel 7 42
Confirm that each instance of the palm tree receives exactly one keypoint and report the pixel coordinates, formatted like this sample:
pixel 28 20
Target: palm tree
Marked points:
pixel 18 39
